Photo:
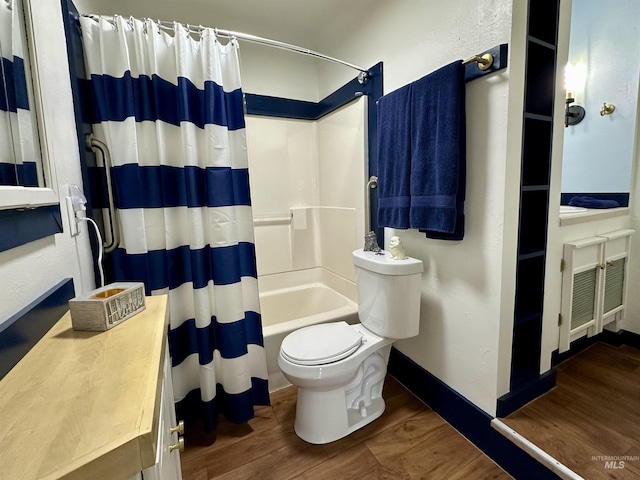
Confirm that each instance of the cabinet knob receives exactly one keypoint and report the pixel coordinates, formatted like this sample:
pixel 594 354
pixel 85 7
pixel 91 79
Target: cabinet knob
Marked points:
pixel 609 263
pixel 602 266
pixel 179 429
pixel 177 446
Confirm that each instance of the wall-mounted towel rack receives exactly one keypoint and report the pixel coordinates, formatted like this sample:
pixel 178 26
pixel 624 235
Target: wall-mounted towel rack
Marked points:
pixel 486 62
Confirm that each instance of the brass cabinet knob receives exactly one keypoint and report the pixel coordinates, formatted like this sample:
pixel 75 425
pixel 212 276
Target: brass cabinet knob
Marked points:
pixel 177 446
pixel 609 263
pixel 179 429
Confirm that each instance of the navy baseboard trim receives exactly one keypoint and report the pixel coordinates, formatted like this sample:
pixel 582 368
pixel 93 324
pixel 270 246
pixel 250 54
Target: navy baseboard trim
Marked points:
pixel 20 226
pixel 630 338
pixel 621 198
pixel 467 418
pixel 22 331
pixel 623 337
pixel 523 394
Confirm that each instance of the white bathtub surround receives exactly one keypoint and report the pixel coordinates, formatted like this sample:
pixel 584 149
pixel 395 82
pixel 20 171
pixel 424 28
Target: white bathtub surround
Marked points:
pixel 312 173
pixel 293 300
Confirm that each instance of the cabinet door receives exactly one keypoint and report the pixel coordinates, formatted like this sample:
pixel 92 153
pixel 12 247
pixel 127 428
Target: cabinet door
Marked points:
pixel 616 255
pixel 581 289
pixel 167 465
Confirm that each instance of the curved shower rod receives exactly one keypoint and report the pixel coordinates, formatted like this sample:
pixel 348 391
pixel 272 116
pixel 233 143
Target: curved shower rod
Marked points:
pixel 362 76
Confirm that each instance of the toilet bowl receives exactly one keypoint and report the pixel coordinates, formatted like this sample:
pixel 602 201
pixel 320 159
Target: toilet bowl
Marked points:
pixel 340 368
pixel 333 398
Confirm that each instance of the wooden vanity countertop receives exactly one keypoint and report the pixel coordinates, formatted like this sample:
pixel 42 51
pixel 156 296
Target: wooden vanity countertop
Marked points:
pixel 85 405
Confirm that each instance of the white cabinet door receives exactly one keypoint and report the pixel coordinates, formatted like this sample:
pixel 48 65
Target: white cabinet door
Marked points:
pixel 580 289
pixel 594 284
pixel 616 256
pixel 167 465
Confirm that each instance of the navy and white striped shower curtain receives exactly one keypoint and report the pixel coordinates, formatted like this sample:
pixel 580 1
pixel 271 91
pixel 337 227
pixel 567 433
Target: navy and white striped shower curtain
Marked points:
pixel 18 144
pixel 170 108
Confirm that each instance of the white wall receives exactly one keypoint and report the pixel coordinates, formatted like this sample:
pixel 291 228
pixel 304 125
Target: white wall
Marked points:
pixel 468 288
pixel 29 270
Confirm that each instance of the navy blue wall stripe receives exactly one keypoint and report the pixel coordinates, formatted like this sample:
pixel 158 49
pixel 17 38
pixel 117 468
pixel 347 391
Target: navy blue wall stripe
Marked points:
pixel 20 226
pixel 280 107
pixel 164 186
pixel 22 331
pixel 145 98
pixel 14 83
pixel 171 268
pixel 230 339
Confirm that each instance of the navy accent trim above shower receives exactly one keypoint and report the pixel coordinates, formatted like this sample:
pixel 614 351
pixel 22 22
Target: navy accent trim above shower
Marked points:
pixel 20 225
pixel 466 418
pixel 621 197
pixel 20 332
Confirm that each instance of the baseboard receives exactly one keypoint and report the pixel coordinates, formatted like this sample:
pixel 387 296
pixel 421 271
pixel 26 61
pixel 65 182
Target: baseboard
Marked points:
pixel 466 418
pixel 524 394
pixel 631 339
pixel 622 337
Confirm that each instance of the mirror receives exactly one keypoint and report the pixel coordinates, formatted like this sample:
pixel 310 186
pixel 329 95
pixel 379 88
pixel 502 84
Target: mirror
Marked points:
pixel 603 49
pixel 20 157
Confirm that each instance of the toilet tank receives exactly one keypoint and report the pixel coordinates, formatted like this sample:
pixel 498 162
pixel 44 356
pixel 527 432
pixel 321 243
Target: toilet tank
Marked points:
pixel 388 293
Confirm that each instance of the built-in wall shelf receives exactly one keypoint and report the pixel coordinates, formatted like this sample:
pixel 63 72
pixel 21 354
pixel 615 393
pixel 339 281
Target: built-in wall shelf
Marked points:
pixel 537 136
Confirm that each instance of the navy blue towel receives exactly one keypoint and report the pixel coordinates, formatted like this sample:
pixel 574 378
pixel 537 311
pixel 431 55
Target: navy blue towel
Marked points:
pixel 590 202
pixel 438 153
pixel 422 155
pixel 394 158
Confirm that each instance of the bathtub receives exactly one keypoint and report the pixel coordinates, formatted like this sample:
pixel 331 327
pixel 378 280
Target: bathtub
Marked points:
pixel 294 300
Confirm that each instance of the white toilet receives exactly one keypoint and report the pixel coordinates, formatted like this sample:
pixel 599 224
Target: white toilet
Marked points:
pixel 340 368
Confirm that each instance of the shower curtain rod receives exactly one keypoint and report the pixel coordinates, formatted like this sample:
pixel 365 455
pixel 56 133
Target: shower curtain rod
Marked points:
pixel 362 76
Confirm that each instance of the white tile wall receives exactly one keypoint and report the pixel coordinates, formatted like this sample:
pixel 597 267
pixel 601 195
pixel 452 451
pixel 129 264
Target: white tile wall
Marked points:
pixel 316 169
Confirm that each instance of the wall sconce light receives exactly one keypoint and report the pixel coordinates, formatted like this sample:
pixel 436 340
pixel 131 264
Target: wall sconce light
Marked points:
pixel 573 114
pixel 575 79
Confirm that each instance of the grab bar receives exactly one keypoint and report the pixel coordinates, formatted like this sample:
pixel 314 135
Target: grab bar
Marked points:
pixel 96 144
pixel 272 220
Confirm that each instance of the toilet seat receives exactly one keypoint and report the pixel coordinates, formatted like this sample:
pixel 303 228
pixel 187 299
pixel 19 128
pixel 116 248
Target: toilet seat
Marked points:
pixel 321 344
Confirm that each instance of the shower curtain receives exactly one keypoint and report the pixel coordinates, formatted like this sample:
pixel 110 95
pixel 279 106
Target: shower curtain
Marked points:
pixel 170 108
pixel 18 143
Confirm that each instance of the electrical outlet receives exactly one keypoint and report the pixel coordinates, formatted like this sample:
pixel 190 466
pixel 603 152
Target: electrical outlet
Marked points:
pixel 74 230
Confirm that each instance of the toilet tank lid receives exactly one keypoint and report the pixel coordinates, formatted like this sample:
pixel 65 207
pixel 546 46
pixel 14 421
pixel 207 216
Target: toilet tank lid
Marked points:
pixel 383 263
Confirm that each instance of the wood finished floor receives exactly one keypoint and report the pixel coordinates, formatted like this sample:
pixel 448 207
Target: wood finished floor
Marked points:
pixel 592 411
pixel 409 441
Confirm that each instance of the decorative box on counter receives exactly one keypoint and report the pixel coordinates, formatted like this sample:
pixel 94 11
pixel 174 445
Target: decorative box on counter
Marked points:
pixel 106 307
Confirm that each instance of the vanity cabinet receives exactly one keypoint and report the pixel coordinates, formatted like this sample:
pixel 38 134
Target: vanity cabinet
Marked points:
pixel 594 284
pixel 85 405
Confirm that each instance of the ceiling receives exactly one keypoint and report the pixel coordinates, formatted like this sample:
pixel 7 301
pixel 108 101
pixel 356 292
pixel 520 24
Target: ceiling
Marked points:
pixel 307 23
